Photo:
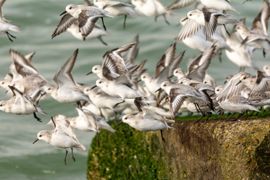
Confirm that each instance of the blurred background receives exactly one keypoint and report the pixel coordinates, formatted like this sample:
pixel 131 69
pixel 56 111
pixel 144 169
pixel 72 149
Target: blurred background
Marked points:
pixel 19 158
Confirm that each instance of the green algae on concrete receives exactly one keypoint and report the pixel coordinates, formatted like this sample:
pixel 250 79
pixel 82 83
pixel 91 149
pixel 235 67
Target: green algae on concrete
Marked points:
pixel 126 154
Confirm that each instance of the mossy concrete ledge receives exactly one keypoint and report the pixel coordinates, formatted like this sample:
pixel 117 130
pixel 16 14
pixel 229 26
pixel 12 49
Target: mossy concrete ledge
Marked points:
pixel 191 150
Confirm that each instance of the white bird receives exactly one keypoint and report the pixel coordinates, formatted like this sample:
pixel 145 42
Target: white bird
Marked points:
pixel 21 104
pixel 60 139
pixel 97 32
pixel 218 5
pixel 6 26
pixel 151 8
pixel 83 16
pixel 143 122
pixel 117 89
pixel 66 89
pixel 116 8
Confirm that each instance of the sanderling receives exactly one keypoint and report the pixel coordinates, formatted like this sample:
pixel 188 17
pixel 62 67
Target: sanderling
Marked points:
pixel 66 89
pixel 117 89
pixel 84 16
pixel 59 138
pixel 151 8
pixel 97 32
pixel 197 68
pixel 260 23
pixel 5 25
pixel 177 4
pixel 116 8
pixel 238 53
pixel 143 122
pixel 20 104
pixel 26 77
pixel 218 5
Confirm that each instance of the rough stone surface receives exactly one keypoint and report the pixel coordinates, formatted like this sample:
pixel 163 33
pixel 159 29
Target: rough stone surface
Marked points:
pixel 191 150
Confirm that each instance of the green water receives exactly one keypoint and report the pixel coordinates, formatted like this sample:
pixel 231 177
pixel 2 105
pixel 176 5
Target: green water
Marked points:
pixel 19 158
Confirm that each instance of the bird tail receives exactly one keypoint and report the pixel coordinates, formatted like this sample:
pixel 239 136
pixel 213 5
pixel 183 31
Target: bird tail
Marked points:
pixel 14 28
pixel 81 147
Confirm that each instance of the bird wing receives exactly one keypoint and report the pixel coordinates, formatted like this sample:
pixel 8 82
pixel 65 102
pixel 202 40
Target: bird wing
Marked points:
pixel 64 76
pixel 22 65
pixel 189 29
pixel 66 21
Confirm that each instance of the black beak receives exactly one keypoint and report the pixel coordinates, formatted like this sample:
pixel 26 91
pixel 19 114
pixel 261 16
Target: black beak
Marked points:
pixel 89 73
pixel 93 87
pixel 53 122
pixel 35 141
pixel 238 83
pixel 170 77
pixel 158 90
pixel 63 13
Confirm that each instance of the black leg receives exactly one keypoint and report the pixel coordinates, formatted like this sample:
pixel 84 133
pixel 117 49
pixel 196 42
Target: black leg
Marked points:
pixel 66 157
pixel 220 56
pixel 103 24
pixel 9 36
pixel 125 19
pixel 36 117
pixel 226 30
pixel 102 41
pixel 166 20
pixel 264 52
pixel 72 155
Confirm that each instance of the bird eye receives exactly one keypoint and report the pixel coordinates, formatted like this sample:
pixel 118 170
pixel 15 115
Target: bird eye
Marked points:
pixel 70 7
pixel 190 14
pixel 40 136
pixel 245 78
pixel 125 118
pixel 95 69
pixel 1 104
pixel 2 82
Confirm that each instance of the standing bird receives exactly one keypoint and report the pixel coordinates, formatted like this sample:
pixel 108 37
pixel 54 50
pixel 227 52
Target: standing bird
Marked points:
pixel 5 25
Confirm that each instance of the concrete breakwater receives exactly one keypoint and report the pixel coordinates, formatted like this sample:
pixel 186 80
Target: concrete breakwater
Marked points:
pixel 190 150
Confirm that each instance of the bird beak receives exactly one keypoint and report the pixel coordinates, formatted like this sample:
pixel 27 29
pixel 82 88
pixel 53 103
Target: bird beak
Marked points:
pixel 63 13
pixel 35 141
pixel 158 90
pixel 238 83
pixel 89 73
pixel 184 19
pixel 93 87
pixel 170 77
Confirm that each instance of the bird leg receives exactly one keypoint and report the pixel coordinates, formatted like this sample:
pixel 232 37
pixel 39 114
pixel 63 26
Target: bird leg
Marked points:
pixel 125 19
pixel 103 24
pixel 165 19
pixel 72 155
pixel 162 137
pixel 36 117
pixel 229 34
pixel 102 41
pixel 65 160
pixel 264 52
pixel 10 36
